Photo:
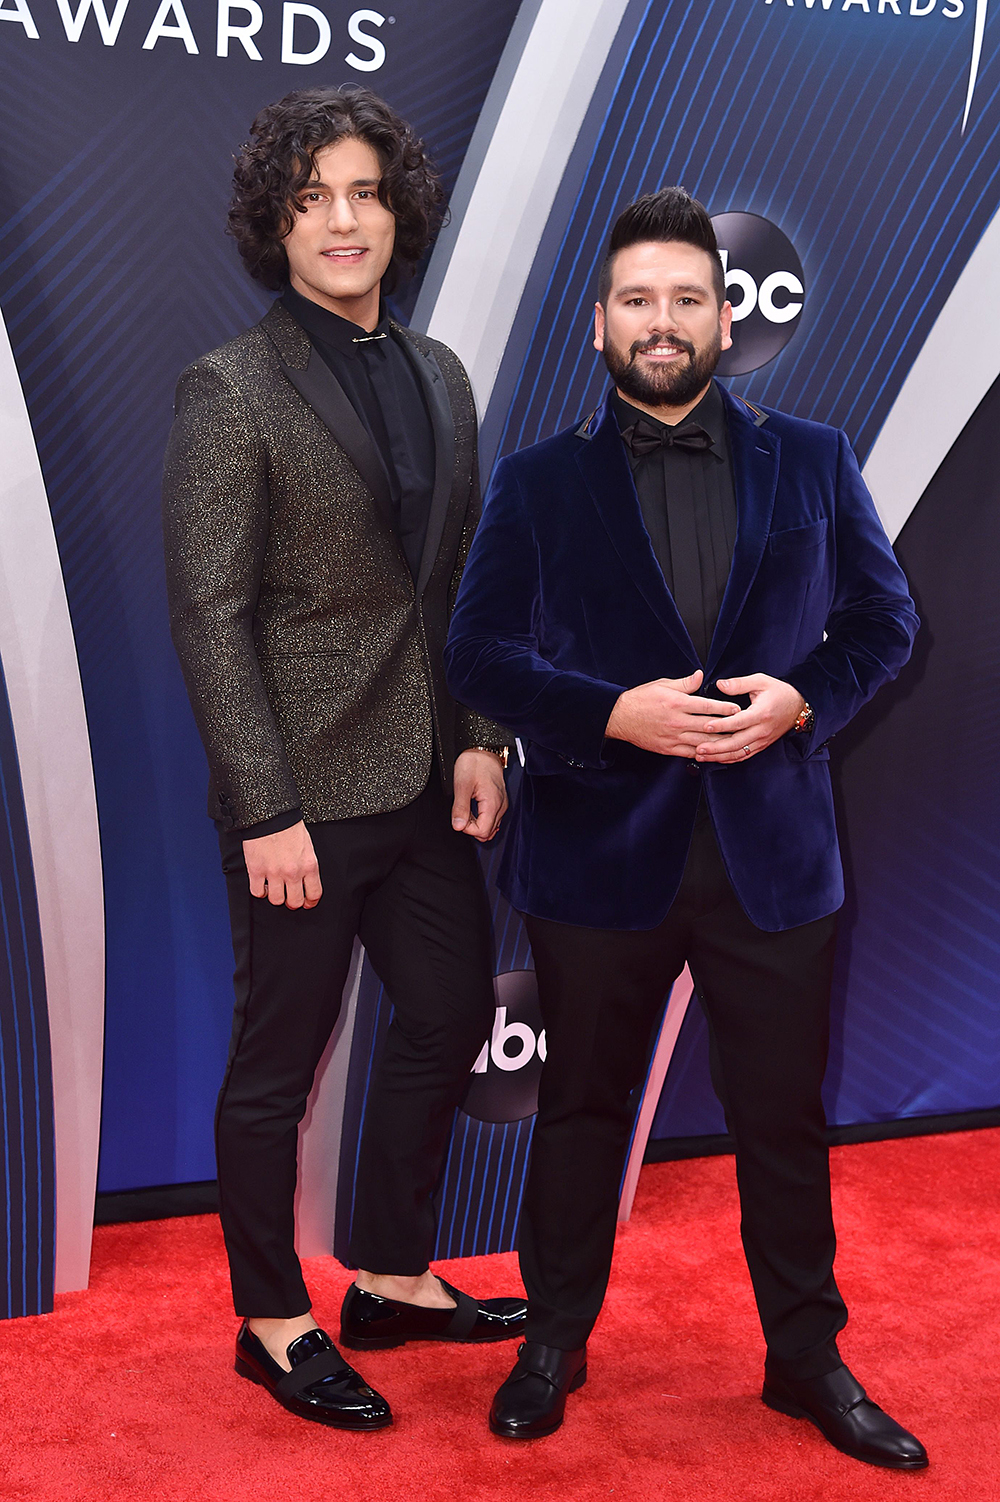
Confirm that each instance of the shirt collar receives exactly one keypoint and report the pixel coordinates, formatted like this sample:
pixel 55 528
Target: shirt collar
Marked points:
pixel 709 414
pixel 329 328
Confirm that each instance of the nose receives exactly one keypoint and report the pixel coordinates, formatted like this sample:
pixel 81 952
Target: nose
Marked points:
pixel 342 220
pixel 664 320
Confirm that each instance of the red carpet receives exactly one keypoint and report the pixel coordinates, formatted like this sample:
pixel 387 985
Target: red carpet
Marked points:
pixel 127 1391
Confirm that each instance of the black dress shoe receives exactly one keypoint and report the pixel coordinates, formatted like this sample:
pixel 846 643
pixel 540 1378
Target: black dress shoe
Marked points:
pixel 532 1401
pixel 844 1414
pixel 370 1323
pixel 320 1385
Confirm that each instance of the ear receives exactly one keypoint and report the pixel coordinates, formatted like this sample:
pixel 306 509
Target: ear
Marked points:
pixel 726 324
pixel 599 327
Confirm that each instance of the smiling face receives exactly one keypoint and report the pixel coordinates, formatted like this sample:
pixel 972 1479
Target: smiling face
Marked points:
pixel 661 330
pixel 341 243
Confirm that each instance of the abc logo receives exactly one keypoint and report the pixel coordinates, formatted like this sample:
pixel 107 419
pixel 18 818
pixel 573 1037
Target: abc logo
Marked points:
pixel 764 283
pixel 504 1082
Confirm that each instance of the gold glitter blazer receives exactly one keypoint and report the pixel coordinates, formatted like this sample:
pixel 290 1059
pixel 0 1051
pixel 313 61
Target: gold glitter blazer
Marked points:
pixel 312 659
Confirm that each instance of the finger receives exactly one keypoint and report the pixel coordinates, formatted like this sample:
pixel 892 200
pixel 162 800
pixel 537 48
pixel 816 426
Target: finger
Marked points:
pixel 275 891
pixel 483 826
pixel 258 883
pixel 725 745
pixel 461 813
pixel 686 685
pixel 312 886
pixel 294 895
pixel 710 706
pixel 739 723
pixel 743 750
pixel 748 685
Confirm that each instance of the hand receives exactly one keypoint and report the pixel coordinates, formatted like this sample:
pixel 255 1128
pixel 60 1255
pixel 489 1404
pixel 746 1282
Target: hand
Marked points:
pixel 664 716
pixel 479 775
pixel 774 708
pixel 283 867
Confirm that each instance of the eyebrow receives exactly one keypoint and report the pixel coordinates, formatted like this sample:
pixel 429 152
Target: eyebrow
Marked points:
pixel 359 182
pixel 647 290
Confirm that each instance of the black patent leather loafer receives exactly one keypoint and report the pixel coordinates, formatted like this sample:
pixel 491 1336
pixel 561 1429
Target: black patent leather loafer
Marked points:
pixel 532 1401
pixel 320 1386
pixel 845 1415
pixel 370 1323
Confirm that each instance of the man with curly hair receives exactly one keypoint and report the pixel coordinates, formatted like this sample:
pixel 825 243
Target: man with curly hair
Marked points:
pixel 320 497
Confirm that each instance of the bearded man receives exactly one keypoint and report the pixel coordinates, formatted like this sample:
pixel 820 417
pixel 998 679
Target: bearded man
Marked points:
pixel 680 537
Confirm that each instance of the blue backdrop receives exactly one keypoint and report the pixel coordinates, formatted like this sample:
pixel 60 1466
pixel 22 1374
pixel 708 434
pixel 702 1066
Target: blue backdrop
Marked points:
pixel 842 125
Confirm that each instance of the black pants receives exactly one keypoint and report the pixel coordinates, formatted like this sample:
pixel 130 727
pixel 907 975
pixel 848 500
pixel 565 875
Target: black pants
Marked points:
pixel 411 889
pixel 766 996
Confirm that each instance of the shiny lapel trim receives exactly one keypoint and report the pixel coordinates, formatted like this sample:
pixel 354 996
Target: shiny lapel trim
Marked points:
pixel 604 466
pixel 328 399
pixel 756 455
pixel 443 423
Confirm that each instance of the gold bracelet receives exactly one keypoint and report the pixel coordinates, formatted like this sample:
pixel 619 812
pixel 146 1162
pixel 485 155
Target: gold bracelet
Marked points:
pixel 502 754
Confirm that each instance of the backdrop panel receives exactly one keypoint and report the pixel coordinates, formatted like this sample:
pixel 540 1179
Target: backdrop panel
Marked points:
pixel 114 274
pixel 850 151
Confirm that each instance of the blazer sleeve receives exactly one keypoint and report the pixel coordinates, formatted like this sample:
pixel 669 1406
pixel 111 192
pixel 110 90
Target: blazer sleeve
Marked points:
pixel 870 629
pixel 493 658
pixel 215 510
pixel 471 728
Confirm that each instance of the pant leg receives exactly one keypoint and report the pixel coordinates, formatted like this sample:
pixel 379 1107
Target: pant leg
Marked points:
pixel 428 933
pixel 291 968
pixel 767 997
pixel 601 992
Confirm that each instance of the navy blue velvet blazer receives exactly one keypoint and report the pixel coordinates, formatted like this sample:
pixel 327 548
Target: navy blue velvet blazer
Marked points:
pixel 563 606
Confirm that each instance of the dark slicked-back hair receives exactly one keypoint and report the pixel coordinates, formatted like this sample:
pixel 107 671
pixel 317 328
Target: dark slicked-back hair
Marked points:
pixel 274 166
pixel 671 214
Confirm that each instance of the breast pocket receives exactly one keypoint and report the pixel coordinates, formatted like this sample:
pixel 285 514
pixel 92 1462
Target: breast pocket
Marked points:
pixel 796 539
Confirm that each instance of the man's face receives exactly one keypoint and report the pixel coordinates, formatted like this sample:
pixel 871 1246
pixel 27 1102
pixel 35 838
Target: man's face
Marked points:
pixel 662 330
pixel 340 244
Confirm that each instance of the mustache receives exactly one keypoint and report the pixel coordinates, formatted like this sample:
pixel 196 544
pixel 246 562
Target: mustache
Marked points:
pixel 672 341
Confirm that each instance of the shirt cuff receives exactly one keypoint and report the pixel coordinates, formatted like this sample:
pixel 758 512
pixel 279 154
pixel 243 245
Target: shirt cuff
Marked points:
pixel 274 825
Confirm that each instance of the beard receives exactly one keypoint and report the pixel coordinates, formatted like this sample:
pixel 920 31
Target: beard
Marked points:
pixel 672 385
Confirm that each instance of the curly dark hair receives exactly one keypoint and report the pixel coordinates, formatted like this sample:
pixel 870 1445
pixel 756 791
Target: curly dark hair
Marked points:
pixel 274 166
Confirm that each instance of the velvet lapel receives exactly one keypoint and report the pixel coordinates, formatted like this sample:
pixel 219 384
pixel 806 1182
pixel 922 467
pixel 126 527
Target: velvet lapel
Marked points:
pixel 603 463
pixel 755 454
pixel 313 379
pixel 439 407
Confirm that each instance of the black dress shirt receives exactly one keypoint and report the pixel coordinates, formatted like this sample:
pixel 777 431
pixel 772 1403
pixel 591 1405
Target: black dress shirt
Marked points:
pixel 688 503
pixel 384 389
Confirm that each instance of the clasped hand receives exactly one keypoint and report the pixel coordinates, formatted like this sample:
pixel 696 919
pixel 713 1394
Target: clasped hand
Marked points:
pixel 668 717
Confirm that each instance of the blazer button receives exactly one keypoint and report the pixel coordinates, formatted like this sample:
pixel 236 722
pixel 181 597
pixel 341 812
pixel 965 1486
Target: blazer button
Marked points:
pixel 694 769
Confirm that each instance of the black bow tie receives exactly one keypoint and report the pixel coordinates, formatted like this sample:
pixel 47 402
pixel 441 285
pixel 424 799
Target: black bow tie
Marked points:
pixel 644 437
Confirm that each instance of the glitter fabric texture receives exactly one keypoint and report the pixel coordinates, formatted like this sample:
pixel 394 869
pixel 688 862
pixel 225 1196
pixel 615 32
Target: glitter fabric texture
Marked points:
pixel 312 661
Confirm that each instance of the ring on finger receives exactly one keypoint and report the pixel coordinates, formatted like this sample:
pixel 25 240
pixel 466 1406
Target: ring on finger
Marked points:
pixel 746 750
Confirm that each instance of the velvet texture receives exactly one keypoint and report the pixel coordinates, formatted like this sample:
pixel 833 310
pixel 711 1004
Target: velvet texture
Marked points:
pixel 563 606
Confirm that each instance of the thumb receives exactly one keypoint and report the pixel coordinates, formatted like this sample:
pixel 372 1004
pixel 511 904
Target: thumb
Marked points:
pixel 692 682
pixel 461 811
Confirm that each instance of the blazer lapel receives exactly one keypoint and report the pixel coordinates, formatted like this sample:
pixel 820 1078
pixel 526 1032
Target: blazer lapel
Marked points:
pixel 603 463
pixel 313 379
pixel 443 422
pixel 756 453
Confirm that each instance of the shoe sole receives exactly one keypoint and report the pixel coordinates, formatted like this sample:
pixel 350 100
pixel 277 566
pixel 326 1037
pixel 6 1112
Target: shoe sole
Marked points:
pixel 520 1434
pixel 793 1411
pixel 391 1343
pixel 244 1369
